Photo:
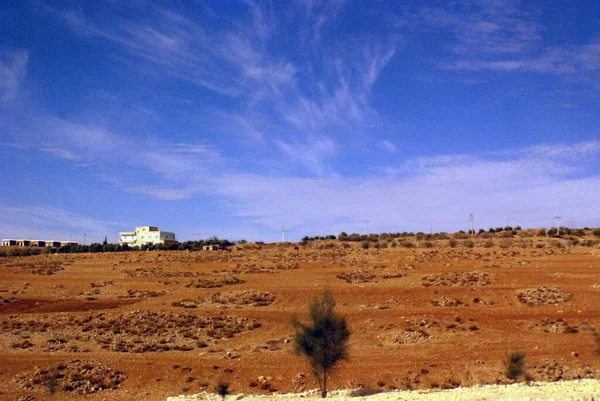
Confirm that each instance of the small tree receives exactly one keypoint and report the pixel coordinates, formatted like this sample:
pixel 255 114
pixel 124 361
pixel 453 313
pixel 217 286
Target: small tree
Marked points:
pixel 597 340
pixel 324 340
pixel 515 365
pixel 222 388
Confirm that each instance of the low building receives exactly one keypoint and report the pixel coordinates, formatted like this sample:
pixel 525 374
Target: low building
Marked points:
pixel 146 235
pixel 36 243
pixel 212 247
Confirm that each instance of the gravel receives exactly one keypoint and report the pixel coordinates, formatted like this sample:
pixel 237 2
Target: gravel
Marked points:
pixel 578 390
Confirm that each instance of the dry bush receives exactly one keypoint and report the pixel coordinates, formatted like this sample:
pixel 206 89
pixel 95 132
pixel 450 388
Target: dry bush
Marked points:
pixel 357 276
pixel 135 332
pixel 443 301
pixel 551 371
pixel 543 296
pixel 78 377
pixel 410 336
pixel 214 282
pixel 228 299
pixel 474 279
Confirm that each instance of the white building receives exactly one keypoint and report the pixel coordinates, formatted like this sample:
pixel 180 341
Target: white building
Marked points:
pixel 145 235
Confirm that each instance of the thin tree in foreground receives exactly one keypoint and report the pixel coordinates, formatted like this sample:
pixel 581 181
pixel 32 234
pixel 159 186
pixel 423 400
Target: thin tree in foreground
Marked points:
pixel 323 340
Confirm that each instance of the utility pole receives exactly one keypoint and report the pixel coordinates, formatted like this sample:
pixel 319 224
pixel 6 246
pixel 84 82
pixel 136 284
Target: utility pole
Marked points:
pixel 558 224
pixel 367 223
pixel 84 239
pixel 472 226
pixel 282 234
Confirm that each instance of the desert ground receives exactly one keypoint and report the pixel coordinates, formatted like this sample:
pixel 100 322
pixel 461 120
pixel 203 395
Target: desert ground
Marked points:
pixel 150 325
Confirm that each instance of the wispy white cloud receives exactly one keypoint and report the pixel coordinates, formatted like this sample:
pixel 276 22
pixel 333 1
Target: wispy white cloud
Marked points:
pixel 387 146
pixel 556 60
pixel 327 94
pixel 13 69
pixel 313 155
pixel 61 153
pixel 50 223
pixel 519 184
pixel 485 28
pixel 504 36
pixel 229 62
pixel 164 192
pixel 145 160
pixel 172 162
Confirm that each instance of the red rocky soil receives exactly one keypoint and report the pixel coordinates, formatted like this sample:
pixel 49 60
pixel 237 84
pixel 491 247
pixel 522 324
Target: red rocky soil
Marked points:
pixel 148 325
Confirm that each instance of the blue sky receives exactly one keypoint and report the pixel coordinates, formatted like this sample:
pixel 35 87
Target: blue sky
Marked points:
pixel 237 118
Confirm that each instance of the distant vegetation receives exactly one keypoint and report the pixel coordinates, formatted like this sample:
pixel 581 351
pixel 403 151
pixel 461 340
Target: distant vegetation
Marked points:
pixel 493 236
pixel 106 247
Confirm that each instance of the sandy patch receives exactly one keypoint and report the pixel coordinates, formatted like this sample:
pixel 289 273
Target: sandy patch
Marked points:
pixel 556 391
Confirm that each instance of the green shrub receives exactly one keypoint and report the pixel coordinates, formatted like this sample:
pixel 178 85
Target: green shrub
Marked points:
pixel 597 232
pixel 452 243
pixel 488 244
pixel 52 383
pixel 515 365
pixel 222 388
pixel 469 244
